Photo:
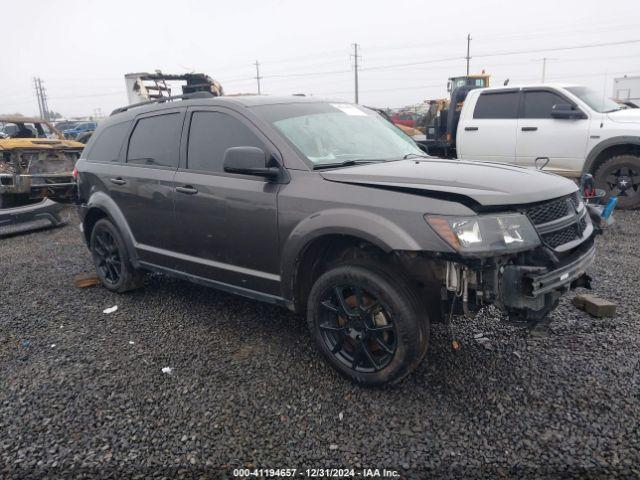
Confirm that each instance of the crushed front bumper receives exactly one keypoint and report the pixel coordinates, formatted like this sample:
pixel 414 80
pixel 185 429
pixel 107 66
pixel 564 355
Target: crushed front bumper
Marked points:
pixel 45 213
pixel 530 293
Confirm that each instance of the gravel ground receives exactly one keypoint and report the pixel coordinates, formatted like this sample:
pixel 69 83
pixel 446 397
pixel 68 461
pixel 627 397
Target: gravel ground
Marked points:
pixel 83 394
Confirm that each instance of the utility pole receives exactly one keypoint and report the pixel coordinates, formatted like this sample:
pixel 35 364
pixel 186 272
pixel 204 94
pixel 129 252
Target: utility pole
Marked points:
pixel 38 96
pixel 45 104
pixel 258 77
pixel 356 57
pixel 41 95
pixel 468 57
pixel 544 67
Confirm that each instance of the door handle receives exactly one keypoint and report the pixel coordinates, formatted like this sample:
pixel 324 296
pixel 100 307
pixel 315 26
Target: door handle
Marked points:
pixel 470 129
pixel 188 189
pixel 529 129
pixel 118 181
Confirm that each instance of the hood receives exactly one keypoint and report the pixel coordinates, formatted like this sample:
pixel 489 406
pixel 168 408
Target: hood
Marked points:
pixel 626 115
pixel 38 144
pixel 488 184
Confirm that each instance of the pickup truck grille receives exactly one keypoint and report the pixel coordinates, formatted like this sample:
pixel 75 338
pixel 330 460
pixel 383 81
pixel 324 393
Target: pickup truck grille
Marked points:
pixel 559 222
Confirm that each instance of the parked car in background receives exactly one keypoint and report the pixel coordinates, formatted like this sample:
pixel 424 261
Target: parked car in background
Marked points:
pixel 80 129
pixel 404 118
pixel 568 129
pixel 36 162
pixel 329 210
pixel 63 125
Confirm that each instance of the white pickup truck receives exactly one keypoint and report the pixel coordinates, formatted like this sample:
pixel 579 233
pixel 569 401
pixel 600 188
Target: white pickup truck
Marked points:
pixel 577 129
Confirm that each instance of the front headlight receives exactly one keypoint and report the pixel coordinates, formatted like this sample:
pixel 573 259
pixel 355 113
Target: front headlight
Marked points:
pixel 486 233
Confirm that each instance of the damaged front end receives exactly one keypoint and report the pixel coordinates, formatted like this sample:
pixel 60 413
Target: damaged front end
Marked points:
pixel 521 261
pixel 37 173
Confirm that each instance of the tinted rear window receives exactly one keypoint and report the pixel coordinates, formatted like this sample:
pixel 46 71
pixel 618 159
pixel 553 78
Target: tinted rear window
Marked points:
pixel 210 134
pixel 497 105
pixel 107 146
pixel 156 141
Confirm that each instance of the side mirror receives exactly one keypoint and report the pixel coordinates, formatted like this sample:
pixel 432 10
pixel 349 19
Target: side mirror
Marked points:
pixel 567 111
pixel 249 161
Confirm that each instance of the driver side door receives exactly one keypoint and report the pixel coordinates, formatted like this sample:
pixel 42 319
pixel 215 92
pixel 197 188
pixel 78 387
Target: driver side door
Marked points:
pixel 226 223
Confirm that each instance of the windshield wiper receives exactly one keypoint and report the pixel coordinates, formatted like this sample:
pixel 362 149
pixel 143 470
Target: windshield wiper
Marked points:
pixel 346 163
pixel 415 155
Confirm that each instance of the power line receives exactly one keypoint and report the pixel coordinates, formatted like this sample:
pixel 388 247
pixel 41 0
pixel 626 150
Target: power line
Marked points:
pixel 573 47
pixel 499 54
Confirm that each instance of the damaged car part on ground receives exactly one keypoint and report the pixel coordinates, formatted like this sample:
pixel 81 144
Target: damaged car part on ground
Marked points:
pixel 32 216
pixel 328 209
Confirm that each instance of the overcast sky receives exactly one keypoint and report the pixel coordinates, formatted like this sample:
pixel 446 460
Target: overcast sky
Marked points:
pixel 82 49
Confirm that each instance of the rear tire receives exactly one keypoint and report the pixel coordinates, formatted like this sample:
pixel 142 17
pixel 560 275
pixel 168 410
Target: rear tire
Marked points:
pixel 367 321
pixel 620 176
pixel 111 259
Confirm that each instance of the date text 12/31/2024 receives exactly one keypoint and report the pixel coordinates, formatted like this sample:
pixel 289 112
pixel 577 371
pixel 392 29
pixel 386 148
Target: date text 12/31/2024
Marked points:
pixel 315 473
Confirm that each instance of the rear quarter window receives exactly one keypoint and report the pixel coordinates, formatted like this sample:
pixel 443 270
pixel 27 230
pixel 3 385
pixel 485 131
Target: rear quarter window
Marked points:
pixel 108 144
pixel 497 105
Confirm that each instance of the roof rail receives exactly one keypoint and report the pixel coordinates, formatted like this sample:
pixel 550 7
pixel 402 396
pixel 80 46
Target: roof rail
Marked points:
pixel 186 96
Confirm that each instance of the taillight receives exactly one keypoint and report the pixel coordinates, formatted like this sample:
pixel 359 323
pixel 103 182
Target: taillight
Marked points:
pixel 75 173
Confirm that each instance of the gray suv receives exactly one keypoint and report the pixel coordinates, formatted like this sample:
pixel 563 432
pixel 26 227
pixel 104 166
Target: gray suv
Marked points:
pixel 327 209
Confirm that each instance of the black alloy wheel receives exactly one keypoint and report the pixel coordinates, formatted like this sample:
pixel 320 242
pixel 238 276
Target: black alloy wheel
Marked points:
pixel 369 322
pixel 356 329
pixel 107 257
pixel 110 258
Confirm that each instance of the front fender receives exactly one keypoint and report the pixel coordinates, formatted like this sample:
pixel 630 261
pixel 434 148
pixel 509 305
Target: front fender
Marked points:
pixel 375 229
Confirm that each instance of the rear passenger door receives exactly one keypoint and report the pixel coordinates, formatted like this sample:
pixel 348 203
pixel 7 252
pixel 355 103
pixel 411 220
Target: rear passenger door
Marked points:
pixel 562 140
pixel 144 189
pixel 227 222
pixel 490 134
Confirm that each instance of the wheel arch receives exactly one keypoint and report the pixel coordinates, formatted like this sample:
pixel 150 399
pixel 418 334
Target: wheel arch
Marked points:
pixel 608 148
pixel 322 238
pixel 102 206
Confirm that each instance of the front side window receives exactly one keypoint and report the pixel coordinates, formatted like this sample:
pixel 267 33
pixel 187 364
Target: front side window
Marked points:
pixel 596 100
pixel 156 140
pixel 539 104
pixel 497 105
pixel 330 133
pixel 211 134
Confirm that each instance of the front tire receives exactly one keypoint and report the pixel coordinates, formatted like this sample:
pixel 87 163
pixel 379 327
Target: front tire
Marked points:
pixel 620 176
pixel 367 321
pixel 111 259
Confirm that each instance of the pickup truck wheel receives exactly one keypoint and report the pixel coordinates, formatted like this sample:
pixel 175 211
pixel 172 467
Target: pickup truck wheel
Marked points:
pixel 111 260
pixel 368 323
pixel 620 176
